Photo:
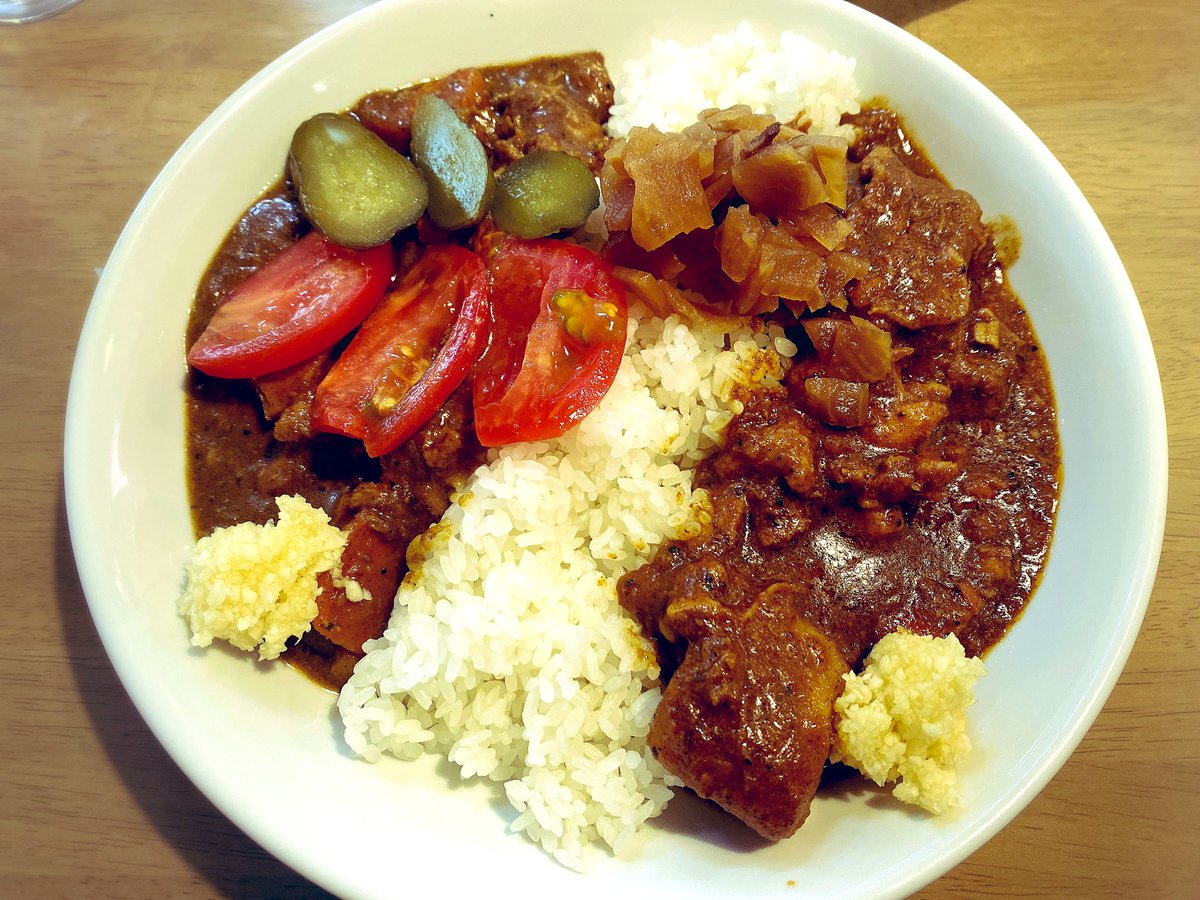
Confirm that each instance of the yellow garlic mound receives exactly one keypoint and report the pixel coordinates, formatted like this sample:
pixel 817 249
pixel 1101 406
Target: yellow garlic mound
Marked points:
pixel 904 717
pixel 256 585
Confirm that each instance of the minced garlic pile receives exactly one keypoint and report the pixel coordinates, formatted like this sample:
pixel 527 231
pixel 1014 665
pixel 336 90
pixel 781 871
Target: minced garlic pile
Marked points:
pixel 904 717
pixel 256 585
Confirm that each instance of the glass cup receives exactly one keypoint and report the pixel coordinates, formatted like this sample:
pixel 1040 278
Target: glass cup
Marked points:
pixel 14 12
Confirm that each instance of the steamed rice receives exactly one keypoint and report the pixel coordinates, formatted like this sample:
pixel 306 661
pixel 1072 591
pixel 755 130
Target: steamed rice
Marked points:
pixel 508 651
pixel 789 78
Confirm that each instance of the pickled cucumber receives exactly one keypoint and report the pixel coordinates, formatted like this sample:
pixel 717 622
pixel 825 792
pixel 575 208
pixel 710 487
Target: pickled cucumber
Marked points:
pixel 544 192
pixel 354 188
pixel 454 163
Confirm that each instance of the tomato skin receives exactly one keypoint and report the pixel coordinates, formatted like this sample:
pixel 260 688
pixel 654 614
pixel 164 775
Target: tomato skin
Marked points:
pixel 541 374
pixel 410 354
pixel 306 299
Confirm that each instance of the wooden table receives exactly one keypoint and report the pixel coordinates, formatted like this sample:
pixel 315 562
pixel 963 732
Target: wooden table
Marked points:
pixel 96 100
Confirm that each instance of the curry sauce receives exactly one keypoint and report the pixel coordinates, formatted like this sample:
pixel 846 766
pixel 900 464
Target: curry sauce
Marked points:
pixel 934 514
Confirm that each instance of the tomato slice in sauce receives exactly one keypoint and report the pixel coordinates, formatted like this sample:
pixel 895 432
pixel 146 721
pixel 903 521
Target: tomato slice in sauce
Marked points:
pixel 558 334
pixel 306 299
pixel 410 354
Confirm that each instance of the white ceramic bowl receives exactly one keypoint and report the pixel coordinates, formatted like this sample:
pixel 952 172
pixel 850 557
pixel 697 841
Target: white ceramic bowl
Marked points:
pixel 256 738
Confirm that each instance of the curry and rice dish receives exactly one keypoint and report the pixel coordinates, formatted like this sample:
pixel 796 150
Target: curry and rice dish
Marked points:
pixel 705 477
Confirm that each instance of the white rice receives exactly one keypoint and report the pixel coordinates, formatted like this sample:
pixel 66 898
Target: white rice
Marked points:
pixel 507 651
pixel 787 77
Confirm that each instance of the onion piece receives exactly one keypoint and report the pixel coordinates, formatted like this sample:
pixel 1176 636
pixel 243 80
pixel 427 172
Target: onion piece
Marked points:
pixel 780 181
pixel 668 194
pixel 851 349
pixel 664 299
pixel 821 223
pixel 837 402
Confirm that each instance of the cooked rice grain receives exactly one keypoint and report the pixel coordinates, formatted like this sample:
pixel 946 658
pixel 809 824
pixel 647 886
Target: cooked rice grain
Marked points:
pixel 787 78
pixel 507 651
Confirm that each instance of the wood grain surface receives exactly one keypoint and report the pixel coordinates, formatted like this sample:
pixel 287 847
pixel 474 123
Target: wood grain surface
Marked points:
pixel 95 101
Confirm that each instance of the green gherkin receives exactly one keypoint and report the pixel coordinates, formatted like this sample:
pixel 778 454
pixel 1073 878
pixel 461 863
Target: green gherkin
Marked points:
pixel 354 188
pixel 454 163
pixel 544 192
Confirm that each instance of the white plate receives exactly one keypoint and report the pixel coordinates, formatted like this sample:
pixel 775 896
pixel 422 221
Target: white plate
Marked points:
pixel 262 742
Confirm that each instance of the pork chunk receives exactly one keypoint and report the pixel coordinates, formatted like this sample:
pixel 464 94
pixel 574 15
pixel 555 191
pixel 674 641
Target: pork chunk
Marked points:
pixel 551 103
pixel 772 438
pixel 919 236
pixel 746 720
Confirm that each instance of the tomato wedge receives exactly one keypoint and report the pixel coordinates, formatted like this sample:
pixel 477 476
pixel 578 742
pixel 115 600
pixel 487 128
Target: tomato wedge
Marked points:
pixel 558 334
pixel 410 354
pixel 303 301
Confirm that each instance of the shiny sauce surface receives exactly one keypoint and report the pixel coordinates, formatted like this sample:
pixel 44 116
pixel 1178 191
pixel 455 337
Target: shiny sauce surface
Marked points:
pixel 937 515
pixel 248 441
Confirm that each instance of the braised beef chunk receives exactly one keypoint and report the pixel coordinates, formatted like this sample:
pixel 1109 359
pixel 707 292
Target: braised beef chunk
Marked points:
pixel 381 518
pixel 919 236
pixel 447 442
pixel 389 113
pixel 551 103
pixel 745 721
pixel 374 561
pixel 773 439
pixel 287 396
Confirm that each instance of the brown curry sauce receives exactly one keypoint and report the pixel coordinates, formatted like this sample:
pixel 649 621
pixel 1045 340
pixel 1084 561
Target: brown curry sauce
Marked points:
pixel 249 442
pixel 936 517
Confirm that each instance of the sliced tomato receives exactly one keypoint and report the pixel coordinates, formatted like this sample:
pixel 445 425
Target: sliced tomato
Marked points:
pixel 410 355
pixel 303 301
pixel 558 334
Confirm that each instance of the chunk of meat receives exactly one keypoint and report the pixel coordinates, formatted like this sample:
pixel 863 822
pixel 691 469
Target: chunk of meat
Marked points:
pixel 550 103
pixel 701 569
pixel 287 396
pixel 373 560
pixel 390 113
pixel 746 719
pixel 905 421
pixel 919 236
pixel 982 379
pixel 770 438
pixel 405 499
pixel 447 442
pixel 556 103
pixel 778 517
pixel 382 517
pixel 887 478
